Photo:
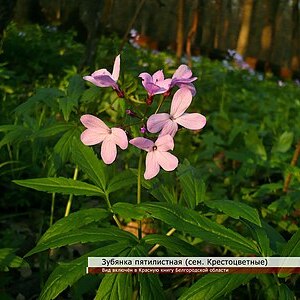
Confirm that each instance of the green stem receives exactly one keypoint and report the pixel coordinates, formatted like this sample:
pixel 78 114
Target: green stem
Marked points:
pixel 52 208
pixel 160 104
pixel 139 192
pixel 110 208
pixel 68 207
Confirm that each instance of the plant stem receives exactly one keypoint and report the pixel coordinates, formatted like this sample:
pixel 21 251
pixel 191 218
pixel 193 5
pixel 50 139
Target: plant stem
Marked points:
pixel 293 163
pixel 68 207
pixel 52 209
pixel 110 208
pixel 139 191
pixel 160 104
pixel 155 247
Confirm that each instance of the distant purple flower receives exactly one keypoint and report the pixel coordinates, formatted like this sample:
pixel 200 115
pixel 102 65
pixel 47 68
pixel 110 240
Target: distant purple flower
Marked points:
pixel 103 78
pixel 143 130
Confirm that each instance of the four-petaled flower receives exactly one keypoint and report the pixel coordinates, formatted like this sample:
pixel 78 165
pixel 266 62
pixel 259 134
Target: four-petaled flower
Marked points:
pixel 97 131
pixel 155 84
pixel 183 77
pixel 158 155
pixel 103 78
pixel 168 123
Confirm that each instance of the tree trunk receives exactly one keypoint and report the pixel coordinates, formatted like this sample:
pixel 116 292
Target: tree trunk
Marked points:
pixel 295 59
pixel 192 32
pixel 180 28
pixel 243 38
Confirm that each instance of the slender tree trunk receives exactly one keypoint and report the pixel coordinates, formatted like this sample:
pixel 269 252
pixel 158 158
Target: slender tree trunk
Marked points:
pixel 180 28
pixel 268 30
pixel 295 59
pixel 192 32
pixel 243 38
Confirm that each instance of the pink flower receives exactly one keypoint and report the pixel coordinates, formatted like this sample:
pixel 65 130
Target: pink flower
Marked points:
pixel 157 155
pixel 98 132
pixel 168 123
pixel 155 84
pixel 183 78
pixel 103 78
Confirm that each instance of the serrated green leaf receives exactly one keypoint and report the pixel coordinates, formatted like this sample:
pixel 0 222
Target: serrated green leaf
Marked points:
pixel 128 210
pixel 150 287
pixel 255 144
pixel 284 293
pixel 53 130
pixel 75 87
pixel 162 193
pixel 19 134
pixel 61 185
pixel 214 286
pixel 260 236
pixel 67 274
pixel 87 161
pixel 236 210
pixel 173 244
pixel 8 259
pixel 75 221
pixel 83 235
pixel 115 286
pixel 190 221
pixel 284 142
pixel 67 105
pixel 64 146
pixel 120 181
pixel 292 248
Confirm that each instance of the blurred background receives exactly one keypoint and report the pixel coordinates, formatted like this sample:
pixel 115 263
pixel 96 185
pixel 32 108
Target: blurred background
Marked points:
pixel 266 33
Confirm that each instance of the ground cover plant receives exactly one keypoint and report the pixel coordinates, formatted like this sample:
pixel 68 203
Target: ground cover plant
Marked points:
pixel 230 186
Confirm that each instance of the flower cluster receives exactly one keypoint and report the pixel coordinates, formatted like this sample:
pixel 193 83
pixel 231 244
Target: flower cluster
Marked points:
pixel 166 124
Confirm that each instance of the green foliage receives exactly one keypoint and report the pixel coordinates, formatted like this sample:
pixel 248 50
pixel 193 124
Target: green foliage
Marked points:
pixel 225 198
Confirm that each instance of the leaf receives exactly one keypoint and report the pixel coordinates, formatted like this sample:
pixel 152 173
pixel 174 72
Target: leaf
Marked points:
pixel 190 221
pixel 19 134
pixel 66 105
pixel 193 188
pixel 150 287
pixel 87 161
pixel 128 210
pixel 115 286
pixel 53 130
pixel 67 274
pixel 284 142
pixel 74 221
pixel 214 286
pixel 236 210
pixel 75 87
pixel 292 248
pixel 162 193
pixel 284 293
pixel 8 259
pixel 121 181
pixel 84 235
pixel 255 144
pixel 260 236
pixel 173 244
pixel 61 185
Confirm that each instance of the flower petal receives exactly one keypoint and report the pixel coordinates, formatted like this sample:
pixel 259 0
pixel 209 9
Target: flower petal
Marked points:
pixel 119 137
pixel 91 137
pixel 170 128
pixel 158 76
pixel 164 143
pixel 152 88
pixel 146 77
pixel 183 71
pixel 192 121
pixel 91 80
pixel 90 121
pixel 106 81
pixel 165 83
pixel 156 122
pixel 108 151
pixel 181 101
pixel 152 166
pixel 101 72
pixel 166 160
pixel 116 69
pixel 142 143
pixel 189 86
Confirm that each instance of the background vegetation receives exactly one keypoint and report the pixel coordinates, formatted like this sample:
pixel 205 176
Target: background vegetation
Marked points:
pixel 240 173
